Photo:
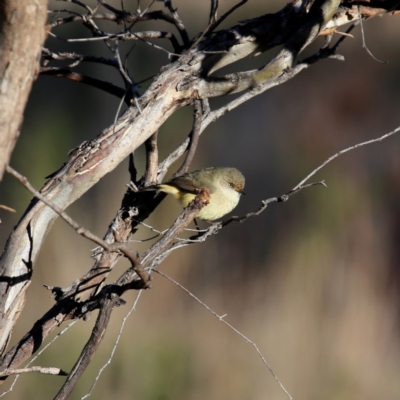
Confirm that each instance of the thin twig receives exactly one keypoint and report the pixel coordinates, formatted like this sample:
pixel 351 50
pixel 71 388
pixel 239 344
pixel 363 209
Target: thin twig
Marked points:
pixel 79 3
pixel 194 138
pixel 38 354
pixel 77 58
pixel 364 43
pixel 216 227
pixel 127 79
pixel 108 362
pixel 345 151
pixel 178 22
pixel 74 76
pixel 229 12
pixel 221 319
pixel 132 257
pixel 142 36
pixel 9 209
pixel 213 12
pixel 42 370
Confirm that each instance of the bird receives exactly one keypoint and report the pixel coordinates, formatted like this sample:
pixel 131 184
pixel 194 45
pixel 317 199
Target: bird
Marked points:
pixel 224 184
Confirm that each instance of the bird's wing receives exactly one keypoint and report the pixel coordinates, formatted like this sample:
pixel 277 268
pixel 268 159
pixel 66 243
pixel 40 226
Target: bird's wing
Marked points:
pixel 190 184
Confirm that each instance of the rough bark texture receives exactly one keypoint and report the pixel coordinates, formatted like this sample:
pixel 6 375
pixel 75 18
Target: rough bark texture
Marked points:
pixel 22 34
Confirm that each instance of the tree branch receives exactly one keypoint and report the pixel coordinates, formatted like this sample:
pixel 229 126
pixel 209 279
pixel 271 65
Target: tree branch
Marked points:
pixel 91 346
pixel 194 138
pixel 42 370
pixel 22 37
pixel 150 177
pixel 130 255
pixel 74 76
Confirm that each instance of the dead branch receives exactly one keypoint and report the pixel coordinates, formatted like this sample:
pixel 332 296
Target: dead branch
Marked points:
pixel 42 370
pixel 74 76
pixel 117 246
pixel 194 138
pixel 91 346
pixel 67 308
pixel 150 177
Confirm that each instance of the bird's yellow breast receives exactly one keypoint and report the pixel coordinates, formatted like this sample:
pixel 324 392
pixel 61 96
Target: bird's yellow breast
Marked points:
pixel 221 202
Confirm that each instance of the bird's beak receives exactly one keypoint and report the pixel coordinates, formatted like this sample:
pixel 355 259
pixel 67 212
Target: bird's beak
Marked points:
pixel 242 192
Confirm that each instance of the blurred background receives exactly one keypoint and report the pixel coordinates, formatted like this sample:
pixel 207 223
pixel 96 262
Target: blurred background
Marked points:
pixel 314 281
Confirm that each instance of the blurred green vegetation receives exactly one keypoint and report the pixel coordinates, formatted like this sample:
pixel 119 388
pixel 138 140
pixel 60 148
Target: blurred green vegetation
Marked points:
pixel 314 281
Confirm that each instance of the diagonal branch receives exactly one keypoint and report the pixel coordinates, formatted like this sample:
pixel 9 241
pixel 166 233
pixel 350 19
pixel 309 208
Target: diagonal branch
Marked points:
pixel 194 138
pixel 130 255
pixel 177 22
pixel 221 319
pixel 91 346
pixel 345 151
pixel 74 76
pixel 320 14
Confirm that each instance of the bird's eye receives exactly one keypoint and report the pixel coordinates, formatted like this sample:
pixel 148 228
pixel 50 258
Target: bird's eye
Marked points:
pixel 231 184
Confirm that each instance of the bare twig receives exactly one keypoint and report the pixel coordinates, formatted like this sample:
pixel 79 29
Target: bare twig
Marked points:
pixel 172 157
pixel 364 43
pixel 122 70
pixel 216 227
pixel 177 21
pixel 79 3
pixel 108 362
pixel 213 12
pixel 226 15
pixel 194 138
pixel 74 76
pixel 133 257
pixel 221 319
pixel 91 346
pixel 142 36
pixel 9 209
pixel 77 58
pixel 345 151
pixel 38 355
pixel 42 370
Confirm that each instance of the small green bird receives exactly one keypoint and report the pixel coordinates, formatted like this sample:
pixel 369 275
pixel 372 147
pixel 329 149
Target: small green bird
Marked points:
pixel 225 186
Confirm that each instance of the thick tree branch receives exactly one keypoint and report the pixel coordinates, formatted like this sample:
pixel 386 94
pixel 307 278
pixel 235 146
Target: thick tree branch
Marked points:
pixel 321 12
pixel 22 27
pixel 150 177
